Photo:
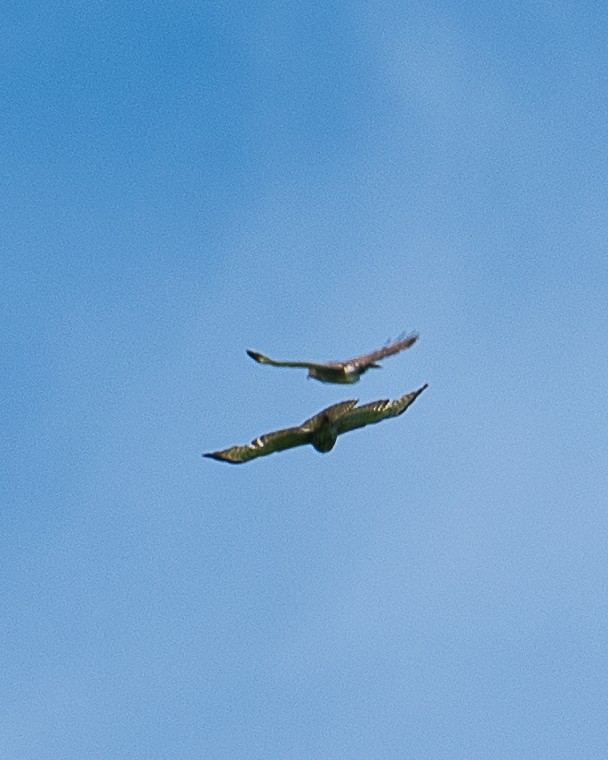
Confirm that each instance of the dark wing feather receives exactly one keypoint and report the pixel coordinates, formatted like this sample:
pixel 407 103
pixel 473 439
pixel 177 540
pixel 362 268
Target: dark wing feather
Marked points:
pixel 261 359
pixel 264 445
pixel 330 414
pixel 377 411
pixel 381 353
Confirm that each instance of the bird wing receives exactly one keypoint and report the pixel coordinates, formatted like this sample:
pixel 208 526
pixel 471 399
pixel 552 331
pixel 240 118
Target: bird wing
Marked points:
pixel 391 348
pixel 377 411
pixel 261 359
pixel 331 414
pixel 264 445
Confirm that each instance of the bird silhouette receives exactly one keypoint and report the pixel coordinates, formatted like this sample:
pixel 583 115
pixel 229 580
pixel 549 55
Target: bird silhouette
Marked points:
pixel 321 431
pixel 345 372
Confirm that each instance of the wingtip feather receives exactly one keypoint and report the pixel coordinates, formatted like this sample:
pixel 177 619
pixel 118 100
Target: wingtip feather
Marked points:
pixel 416 393
pixel 217 455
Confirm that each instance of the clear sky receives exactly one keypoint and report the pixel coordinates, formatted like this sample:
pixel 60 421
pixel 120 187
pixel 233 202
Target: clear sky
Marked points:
pixel 183 181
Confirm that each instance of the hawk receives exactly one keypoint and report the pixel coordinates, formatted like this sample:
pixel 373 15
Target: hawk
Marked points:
pixel 321 431
pixel 346 372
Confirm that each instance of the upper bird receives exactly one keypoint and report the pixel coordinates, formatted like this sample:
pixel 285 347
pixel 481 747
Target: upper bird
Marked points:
pixel 321 431
pixel 346 372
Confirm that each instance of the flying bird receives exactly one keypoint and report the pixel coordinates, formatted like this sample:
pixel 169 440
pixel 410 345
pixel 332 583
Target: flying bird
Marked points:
pixel 321 431
pixel 346 372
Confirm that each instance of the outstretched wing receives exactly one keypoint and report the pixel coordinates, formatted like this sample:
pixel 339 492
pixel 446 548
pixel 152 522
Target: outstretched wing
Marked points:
pixel 377 411
pixel 264 445
pixel 261 359
pixel 331 414
pixel 391 348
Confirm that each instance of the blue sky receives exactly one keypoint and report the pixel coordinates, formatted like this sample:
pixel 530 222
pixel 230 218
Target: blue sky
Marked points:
pixel 184 181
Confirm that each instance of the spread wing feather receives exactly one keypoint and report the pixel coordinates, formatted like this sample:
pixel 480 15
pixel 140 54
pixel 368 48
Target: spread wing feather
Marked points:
pixel 377 411
pixel 330 414
pixel 389 350
pixel 264 445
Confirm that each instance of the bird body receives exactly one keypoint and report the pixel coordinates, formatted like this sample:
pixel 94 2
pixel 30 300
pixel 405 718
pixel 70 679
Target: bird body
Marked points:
pixel 346 372
pixel 321 431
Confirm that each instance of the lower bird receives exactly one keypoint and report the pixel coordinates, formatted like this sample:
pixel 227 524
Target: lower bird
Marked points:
pixel 345 372
pixel 321 431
